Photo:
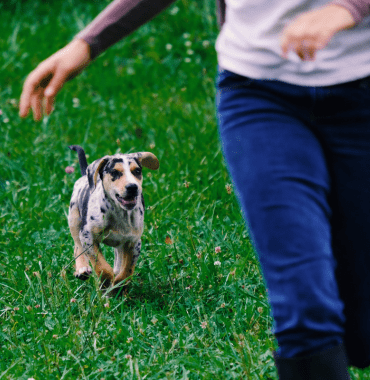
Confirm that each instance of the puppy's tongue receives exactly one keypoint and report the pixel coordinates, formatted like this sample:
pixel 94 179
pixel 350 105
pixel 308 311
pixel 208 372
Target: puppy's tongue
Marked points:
pixel 131 202
pixel 128 203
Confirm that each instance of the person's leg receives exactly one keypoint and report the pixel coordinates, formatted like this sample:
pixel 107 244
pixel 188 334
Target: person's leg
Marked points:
pixel 280 172
pixel 329 364
pixel 344 126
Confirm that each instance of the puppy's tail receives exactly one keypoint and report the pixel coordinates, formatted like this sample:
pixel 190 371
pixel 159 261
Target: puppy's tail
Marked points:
pixel 81 157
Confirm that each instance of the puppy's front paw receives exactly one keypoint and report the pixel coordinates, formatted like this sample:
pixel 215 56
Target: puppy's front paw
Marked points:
pixel 83 273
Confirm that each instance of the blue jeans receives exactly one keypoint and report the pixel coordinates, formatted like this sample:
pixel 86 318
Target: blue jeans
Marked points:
pixel 299 158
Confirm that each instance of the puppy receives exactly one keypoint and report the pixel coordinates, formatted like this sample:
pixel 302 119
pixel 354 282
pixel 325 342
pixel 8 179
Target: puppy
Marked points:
pixel 107 206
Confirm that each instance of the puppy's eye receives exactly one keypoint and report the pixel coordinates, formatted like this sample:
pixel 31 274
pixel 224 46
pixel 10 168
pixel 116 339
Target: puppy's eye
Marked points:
pixel 136 172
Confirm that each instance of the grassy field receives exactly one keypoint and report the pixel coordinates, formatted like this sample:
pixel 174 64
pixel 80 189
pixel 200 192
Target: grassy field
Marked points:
pixel 197 307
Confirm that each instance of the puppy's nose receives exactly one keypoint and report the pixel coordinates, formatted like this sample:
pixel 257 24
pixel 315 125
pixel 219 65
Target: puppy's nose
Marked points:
pixel 132 190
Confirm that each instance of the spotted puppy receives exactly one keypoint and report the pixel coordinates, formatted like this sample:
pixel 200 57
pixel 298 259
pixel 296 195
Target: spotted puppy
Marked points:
pixel 107 206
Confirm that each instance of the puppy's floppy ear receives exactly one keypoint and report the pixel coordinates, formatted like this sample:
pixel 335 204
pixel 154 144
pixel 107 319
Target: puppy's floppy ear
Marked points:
pixel 100 168
pixel 93 171
pixel 147 159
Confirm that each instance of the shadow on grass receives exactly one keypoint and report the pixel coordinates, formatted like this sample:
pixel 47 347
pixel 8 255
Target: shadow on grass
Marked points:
pixel 138 293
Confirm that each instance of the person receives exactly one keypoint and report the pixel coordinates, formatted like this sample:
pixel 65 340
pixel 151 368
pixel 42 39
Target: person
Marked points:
pixel 292 96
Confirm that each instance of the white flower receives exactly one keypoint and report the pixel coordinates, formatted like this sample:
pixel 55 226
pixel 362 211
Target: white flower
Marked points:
pixel 76 102
pixel 168 46
pixel 174 11
pixel 218 263
pixel 154 320
pixel 130 71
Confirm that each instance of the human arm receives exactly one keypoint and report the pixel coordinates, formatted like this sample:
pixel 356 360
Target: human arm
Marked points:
pixel 313 30
pixel 116 21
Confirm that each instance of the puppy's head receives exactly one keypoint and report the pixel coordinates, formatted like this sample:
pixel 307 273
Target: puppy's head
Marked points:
pixel 121 176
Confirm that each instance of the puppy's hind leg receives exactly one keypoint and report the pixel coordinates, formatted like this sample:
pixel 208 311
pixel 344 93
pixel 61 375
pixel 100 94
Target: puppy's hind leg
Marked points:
pixel 83 269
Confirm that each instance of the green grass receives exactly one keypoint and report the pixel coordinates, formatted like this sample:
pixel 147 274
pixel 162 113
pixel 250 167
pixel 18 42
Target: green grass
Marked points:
pixel 184 317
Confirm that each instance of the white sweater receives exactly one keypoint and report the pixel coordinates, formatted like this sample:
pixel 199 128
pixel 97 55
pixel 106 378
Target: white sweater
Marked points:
pixel 249 45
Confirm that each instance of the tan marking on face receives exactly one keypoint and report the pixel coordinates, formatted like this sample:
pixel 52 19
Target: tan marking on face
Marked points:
pixel 120 183
pixel 133 167
pixel 119 166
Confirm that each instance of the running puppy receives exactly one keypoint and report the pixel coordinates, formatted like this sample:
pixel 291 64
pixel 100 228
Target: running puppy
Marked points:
pixel 107 206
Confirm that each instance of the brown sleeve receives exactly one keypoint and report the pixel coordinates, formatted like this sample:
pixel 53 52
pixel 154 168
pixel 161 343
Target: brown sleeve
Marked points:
pixel 221 11
pixel 359 9
pixel 118 20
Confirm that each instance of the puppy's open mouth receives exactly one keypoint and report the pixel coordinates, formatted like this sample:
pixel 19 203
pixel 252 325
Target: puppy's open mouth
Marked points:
pixel 128 202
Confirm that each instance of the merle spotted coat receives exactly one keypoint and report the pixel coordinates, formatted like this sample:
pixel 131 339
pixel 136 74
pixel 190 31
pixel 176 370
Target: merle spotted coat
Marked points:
pixel 107 206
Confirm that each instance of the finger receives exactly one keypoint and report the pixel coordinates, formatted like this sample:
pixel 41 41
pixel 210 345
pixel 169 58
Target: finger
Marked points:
pixel 305 51
pixel 285 47
pixel 53 88
pixel 285 51
pixel 289 42
pixel 310 48
pixel 25 100
pixel 55 85
pixel 36 105
pixel 49 105
pixel 23 108
pixel 289 46
pixel 311 54
pixel 31 86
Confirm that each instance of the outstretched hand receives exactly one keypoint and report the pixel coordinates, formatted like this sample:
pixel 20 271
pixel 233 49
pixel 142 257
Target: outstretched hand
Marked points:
pixel 44 82
pixel 313 30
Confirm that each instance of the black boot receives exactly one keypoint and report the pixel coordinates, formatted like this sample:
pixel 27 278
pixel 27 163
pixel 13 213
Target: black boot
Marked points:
pixel 330 364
